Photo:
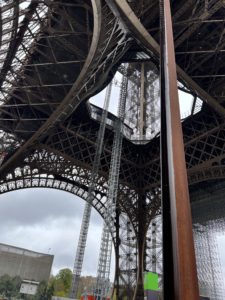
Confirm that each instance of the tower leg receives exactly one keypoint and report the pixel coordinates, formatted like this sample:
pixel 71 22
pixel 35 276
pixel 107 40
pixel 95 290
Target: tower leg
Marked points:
pixel 117 255
pixel 141 247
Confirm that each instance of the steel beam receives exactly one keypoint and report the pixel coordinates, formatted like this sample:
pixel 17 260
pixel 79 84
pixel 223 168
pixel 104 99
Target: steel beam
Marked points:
pixel 179 266
pixel 142 35
pixel 142 102
pixel 65 107
pixel 200 51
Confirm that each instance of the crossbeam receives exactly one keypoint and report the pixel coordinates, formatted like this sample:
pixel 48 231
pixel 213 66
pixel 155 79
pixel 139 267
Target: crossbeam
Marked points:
pixel 142 35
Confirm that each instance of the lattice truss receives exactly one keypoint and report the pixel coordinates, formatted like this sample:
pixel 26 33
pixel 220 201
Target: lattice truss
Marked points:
pixel 204 137
pixel 102 288
pixel 56 54
pixel 87 210
pixel 142 103
pixel 37 76
pixel 154 257
pixel 31 27
pixel 127 257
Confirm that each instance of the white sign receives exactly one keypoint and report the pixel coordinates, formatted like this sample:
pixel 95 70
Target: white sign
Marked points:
pixel 29 288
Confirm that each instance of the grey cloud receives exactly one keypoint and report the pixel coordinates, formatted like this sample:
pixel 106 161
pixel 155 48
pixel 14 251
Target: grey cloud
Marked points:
pixel 43 219
pixel 33 206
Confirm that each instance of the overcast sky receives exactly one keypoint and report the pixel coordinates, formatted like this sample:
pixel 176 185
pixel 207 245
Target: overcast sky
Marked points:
pixel 48 220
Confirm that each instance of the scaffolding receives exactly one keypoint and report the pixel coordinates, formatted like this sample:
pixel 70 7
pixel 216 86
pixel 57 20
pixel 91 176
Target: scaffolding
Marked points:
pixel 208 262
pixel 208 209
pixel 104 263
pixel 142 104
pixel 127 254
pixel 91 194
pixel 154 259
pixel 102 286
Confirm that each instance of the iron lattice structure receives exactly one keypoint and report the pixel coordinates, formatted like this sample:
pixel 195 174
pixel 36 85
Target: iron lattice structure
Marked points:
pixel 56 54
pixel 78 263
pixel 103 285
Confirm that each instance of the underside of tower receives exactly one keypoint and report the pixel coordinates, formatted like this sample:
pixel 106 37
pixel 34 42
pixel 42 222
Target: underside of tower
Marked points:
pixel 54 56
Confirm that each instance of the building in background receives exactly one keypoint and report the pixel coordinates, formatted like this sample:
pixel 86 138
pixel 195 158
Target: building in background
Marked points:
pixel 26 264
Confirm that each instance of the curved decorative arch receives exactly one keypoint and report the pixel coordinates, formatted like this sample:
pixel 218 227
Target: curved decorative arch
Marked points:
pixel 48 181
pixel 32 178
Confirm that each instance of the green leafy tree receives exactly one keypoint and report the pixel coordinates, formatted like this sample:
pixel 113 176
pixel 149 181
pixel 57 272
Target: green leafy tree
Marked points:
pixel 9 287
pixel 6 286
pixel 62 283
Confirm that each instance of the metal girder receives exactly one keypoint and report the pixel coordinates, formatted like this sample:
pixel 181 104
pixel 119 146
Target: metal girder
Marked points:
pixel 180 280
pixel 35 169
pixel 65 147
pixel 142 35
pixel 87 210
pixel 202 15
pixel 199 51
pixel 17 39
pixel 65 103
pixel 96 62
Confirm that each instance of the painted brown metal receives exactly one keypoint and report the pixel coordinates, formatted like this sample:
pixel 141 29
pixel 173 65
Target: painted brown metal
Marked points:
pixel 180 275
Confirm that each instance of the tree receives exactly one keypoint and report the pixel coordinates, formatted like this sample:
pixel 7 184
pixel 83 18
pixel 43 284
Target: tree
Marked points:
pixel 9 287
pixel 63 282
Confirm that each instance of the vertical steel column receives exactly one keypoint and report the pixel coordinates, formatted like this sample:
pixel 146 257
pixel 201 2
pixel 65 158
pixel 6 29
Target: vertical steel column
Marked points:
pixel 117 254
pixel 142 124
pixel 154 260
pixel 180 275
pixel 112 205
pixel 104 263
pixel 141 246
pixel 129 258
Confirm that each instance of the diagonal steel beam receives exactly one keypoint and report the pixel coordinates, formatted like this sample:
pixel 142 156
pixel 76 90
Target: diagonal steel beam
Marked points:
pixel 142 35
pixel 16 41
pixel 65 105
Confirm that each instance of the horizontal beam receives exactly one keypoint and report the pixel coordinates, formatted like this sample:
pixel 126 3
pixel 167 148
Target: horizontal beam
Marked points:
pixel 29 104
pixel 54 63
pixel 190 21
pixel 24 87
pixel 142 35
pixel 19 119
pixel 200 51
pixel 208 76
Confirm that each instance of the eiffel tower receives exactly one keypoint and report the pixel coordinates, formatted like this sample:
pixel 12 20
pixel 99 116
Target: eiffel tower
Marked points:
pixel 55 55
